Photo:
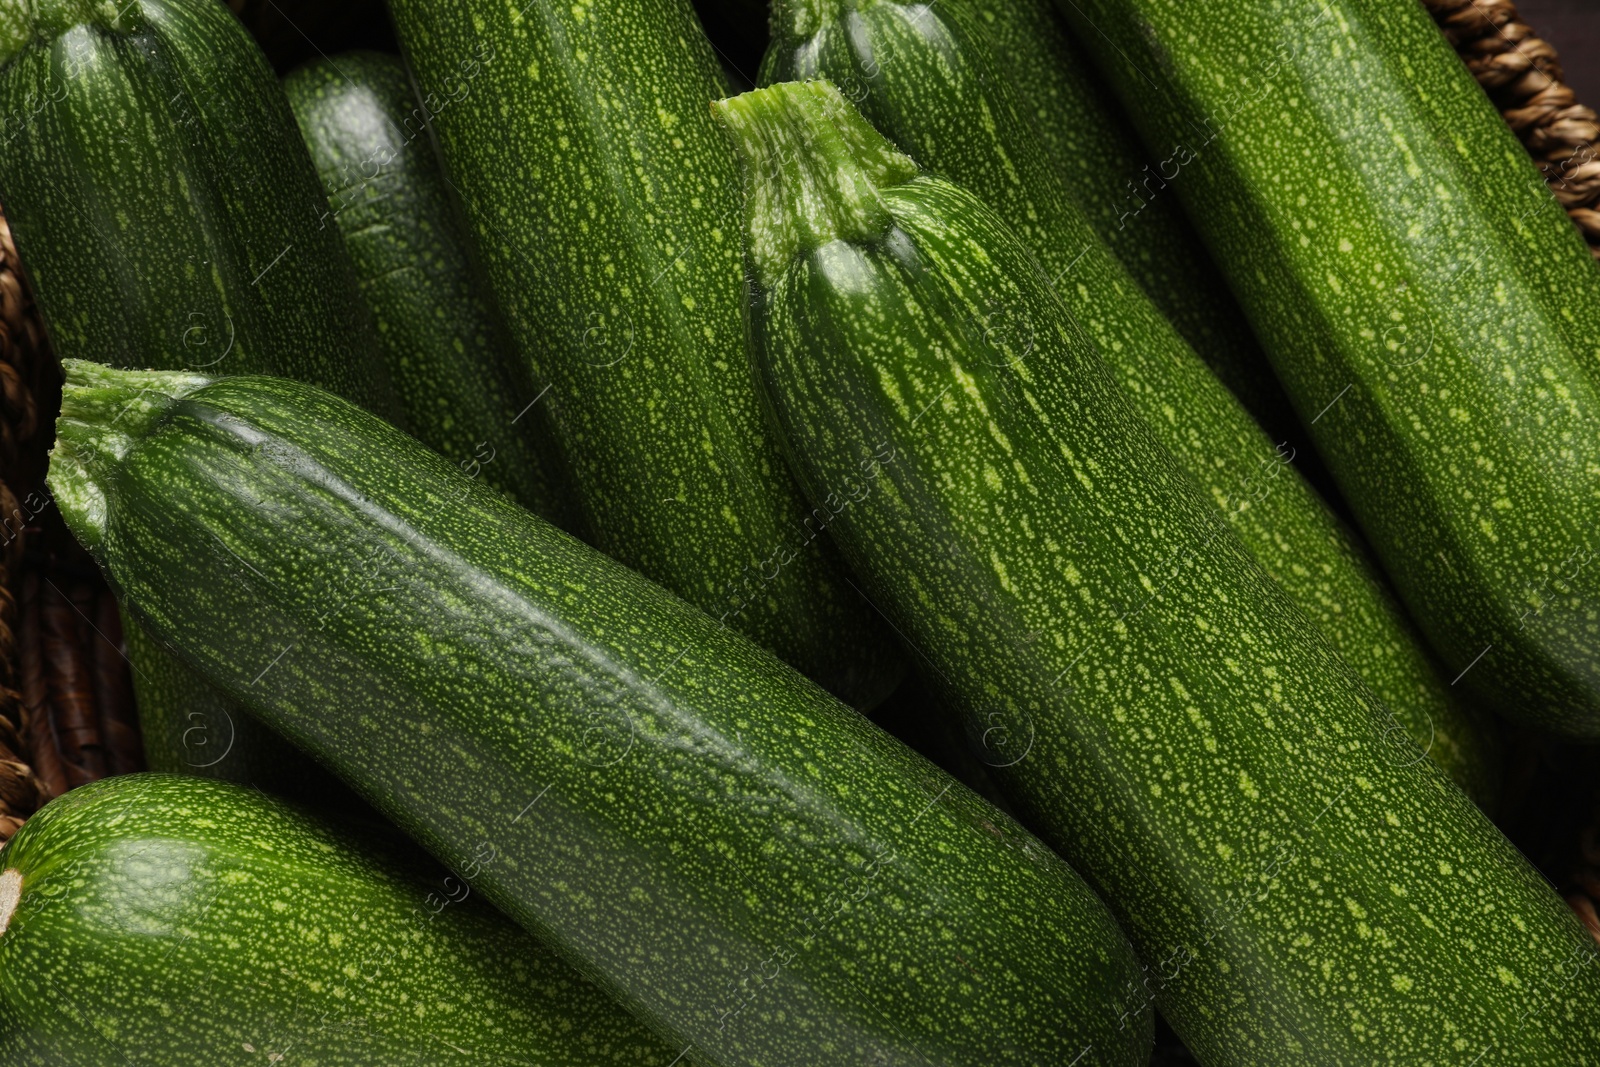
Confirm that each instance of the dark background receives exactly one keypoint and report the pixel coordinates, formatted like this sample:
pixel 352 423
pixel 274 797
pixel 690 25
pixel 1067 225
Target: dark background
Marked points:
pixel 1573 26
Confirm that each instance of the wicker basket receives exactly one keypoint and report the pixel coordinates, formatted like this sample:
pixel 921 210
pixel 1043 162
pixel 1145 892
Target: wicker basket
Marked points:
pixel 1523 76
pixel 66 701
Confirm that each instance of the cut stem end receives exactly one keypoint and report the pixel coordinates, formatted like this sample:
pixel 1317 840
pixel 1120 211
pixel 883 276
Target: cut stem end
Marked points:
pixel 813 167
pixel 10 896
pixel 103 411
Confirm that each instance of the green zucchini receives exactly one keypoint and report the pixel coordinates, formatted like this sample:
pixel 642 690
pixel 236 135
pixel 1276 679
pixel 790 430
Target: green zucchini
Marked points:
pixel 189 923
pixel 1084 131
pixel 935 90
pixel 1426 302
pixel 163 203
pixel 190 728
pixel 606 207
pixel 748 865
pixel 1087 137
pixel 443 342
pixel 169 216
pixel 1301 888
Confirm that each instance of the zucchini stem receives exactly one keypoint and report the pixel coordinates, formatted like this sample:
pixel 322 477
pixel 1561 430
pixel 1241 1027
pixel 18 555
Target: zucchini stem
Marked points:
pixel 103 411
pixel 813 167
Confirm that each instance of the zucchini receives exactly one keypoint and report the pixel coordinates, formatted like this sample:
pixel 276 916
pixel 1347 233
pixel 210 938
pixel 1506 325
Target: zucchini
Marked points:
pixel 1300 888
pixel 1426 302
pixel 445 347
pixel 1087 137
pixel 190 728
pixel 749 866
pixel 169 215
pixel 164 205
pixel 193 923
pixel 1084 131
pixel 606 209
pixel 934 89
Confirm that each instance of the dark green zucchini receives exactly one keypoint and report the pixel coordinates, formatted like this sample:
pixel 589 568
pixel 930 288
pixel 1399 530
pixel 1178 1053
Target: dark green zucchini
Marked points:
pixel 175 921
pixel 190 728
pixel 935 89
pixel 1428 305
pixel 169 216
pixel 1126 194
pixel 163 203
pixel 606 206
pixel 1301 887
pixel 442 339
pixel 747 864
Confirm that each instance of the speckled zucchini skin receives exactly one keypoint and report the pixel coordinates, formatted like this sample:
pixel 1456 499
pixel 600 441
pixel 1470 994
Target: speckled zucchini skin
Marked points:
pixel 190 728
pixel 190 923
pixel 169 217
pixel 1087 137
pixel 746 863
pixel 463 391
pixel 606 207
pixel 164 204
pixel 1301 888
pixel 1427 304
pixel 936 91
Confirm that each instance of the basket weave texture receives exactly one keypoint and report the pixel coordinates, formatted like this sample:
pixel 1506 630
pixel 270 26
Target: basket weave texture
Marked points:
pixel 66 702
pixel 21 342
pixel 1522 74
